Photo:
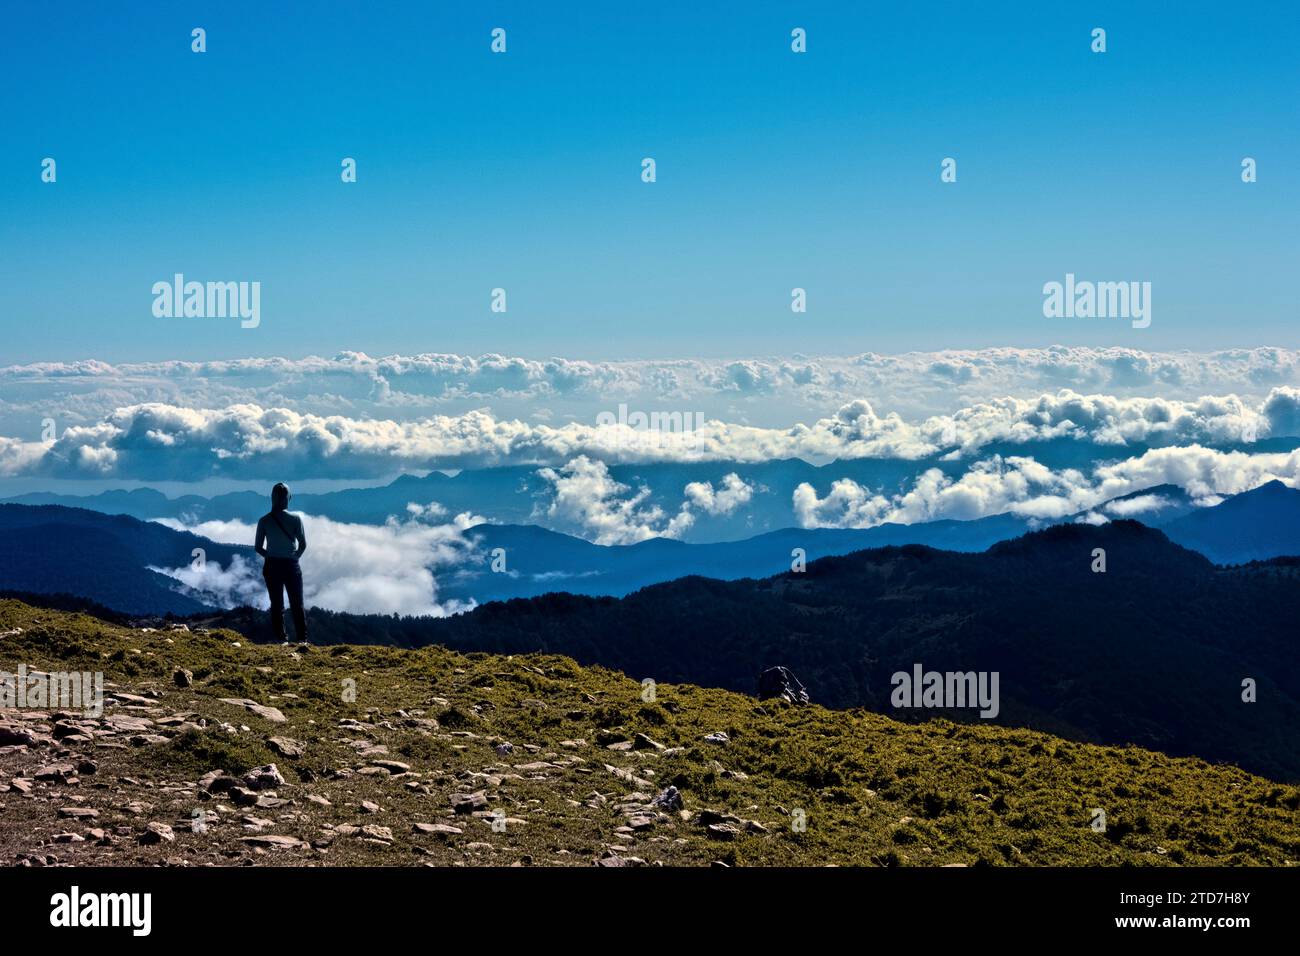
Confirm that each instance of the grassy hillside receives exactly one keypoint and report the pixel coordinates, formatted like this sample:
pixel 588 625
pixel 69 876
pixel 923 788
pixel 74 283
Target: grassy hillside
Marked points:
pixel 409 772
pixel 1152 652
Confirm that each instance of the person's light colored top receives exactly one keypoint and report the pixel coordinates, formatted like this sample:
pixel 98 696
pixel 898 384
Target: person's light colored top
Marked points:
pixel 274 541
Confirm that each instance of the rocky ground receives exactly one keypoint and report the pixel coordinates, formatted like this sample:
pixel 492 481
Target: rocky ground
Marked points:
pixel 213 751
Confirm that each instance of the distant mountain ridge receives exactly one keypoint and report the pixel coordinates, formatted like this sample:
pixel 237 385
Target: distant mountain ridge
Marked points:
pixel 1255 525
pixel 518 495
pixel 50 549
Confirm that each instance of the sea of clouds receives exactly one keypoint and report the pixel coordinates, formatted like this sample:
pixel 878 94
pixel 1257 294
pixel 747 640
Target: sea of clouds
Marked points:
pixel 1142 419
pixel 766 392
pixel 380 569
pixel 159 442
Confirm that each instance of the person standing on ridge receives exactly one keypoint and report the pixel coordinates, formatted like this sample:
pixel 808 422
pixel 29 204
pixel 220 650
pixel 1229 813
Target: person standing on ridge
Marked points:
pixel 281 542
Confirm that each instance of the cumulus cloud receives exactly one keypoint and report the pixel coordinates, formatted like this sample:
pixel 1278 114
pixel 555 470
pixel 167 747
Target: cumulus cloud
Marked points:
pixel 589 502
pixel 1137 506
pixel 380 569
pixel 160 441
pixel 732 492
pixel 1022 486
pixel 766 391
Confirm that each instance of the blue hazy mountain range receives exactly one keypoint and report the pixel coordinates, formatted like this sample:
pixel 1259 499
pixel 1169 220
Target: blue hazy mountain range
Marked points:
pixel 107 558
pixel 519 495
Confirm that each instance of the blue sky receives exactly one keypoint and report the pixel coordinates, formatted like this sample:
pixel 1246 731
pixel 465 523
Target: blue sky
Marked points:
pixel 775 170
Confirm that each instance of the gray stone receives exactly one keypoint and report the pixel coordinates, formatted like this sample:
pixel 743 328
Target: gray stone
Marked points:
pixel 264 778
pixel 669 799
pixel 469 802
pixel 261 710
pixel 779 683
pixel 273 841
pixel 722 831
pixel 157 833
pixel 437 828
pixel 286 746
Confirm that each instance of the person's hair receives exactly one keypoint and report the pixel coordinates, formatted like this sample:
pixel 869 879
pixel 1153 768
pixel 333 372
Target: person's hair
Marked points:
pixel 281 490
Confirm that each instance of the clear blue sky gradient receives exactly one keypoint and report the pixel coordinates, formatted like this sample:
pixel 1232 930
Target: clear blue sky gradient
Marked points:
pixel 522 170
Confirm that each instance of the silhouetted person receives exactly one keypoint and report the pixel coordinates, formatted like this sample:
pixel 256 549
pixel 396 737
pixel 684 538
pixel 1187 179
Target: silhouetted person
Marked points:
pixel 281 541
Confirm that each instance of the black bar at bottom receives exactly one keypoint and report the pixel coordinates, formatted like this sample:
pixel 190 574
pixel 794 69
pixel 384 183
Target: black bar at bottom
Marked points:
pixel 332 904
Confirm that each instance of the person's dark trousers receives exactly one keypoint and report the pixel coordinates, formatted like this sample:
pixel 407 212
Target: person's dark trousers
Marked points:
pixel 283 574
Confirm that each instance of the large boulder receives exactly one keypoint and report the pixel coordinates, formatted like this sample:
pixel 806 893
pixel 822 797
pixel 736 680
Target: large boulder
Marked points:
pixel 779 682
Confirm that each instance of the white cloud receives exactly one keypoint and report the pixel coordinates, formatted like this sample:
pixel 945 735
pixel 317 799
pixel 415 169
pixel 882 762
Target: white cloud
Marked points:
pixel 1022 486
pixel 159 441
pixel 1137 506
pixel 379 569
pixel 589 502
pixel 766 391
pixel 732 492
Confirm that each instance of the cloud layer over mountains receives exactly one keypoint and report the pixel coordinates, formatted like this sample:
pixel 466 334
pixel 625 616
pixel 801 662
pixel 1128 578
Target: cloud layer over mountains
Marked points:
pixel 1038 432
pixel 168 442
pixel 768 392
pixel 362 569
pixel 1025 487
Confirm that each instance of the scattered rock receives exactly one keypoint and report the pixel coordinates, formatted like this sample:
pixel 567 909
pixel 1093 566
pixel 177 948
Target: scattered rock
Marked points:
pixel 253 707
pixel 707 817
pixel 272 841
pixel 157 833
pixel 722 831
pixel 778 682
pixel 264 778
pixel 286 746
pixel 78 813
pixel 243 797
pixel 612 859
pixel 439 828
pixel 217 781
pixel 469 802
pixel 11 736
pixel 669 799
pixel 56 772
